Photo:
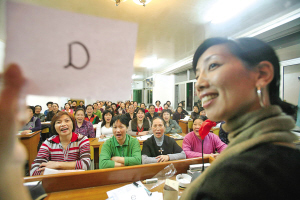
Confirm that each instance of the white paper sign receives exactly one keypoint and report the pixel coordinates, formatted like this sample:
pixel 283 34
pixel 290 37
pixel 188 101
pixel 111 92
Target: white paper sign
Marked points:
pixel 68 54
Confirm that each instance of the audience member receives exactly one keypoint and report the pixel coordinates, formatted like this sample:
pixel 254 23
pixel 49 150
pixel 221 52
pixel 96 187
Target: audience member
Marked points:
pixel 170 107
pixel 140 125
pixel 104 128
pixel 151 114
pixel 178 114
pixel 159 147
pixel 158 108
pixel 195 114
pixel 65 150
pixel 49 105
pixel 142 105
pixel 81 105
pixel 74 105
pixel 96 111
pixel 53 112
pixel 171 125
pixel 130 115
pixel 38 114
pixel 33 123
pixel 67 108
pixel 122 109
pixel 183 110
pixel 121 149
pixel 192 142
pixel 202 111
pixel 94 119
pixel 82 126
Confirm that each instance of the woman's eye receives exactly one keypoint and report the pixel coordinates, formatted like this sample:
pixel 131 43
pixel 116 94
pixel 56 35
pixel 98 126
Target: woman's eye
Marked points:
pixel 213 66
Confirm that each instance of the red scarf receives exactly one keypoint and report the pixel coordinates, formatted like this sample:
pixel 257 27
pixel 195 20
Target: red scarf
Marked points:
pixel 205 128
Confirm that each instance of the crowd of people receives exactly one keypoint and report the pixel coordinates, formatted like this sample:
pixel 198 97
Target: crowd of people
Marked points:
pixel 120 123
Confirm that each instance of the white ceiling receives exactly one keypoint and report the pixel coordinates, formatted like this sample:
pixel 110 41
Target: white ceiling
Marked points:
pixel 171 30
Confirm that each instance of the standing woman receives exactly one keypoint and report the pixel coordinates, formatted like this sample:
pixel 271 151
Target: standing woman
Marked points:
pixel 171 125
pixel 65 150
pixel 90 116
pixel 140 125
pixel 238 82
pixel 82 126
pixel 158 108
pixel 67 109
pixel 159 147
pixel 192 142
pixel 122 149
pixel 104 128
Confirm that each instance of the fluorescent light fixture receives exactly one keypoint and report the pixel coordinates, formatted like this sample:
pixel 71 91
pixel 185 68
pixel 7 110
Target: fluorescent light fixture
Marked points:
pixel 152 62
pixel 139 2
pixel 224 10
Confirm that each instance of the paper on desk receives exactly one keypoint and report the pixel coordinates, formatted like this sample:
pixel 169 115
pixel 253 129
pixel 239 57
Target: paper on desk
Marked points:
pixel 144 137
pixel 55 171
pixel 129 192
pixel 70 55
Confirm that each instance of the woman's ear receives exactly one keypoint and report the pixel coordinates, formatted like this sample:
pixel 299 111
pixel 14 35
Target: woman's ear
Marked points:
pixel 266 74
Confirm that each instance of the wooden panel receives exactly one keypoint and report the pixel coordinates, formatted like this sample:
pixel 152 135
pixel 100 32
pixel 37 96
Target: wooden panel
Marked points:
pixel 184 126
pixel 93 178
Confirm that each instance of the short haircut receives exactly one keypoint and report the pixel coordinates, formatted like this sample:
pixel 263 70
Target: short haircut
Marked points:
pixel 166 111
pixel 79 109
pixel 55 104
pixel 74 101
pixel 151 106
pixel 50 102
pixel 140 109
pixel 203 118
pixel 31 108
pixel 81 101
pixel 38 106
pixel 59 115
pixel 143 103
pixel 157 101
pixel 90 105
pixel 166 104
pixel 201 109
pixel 158 117
pixel 122 118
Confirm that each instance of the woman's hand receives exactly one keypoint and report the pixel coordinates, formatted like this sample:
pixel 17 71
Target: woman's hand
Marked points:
pixel 143 133
pixel 118 159
pixel 163 158
pixel 25 132
pixel 50 164
pixel 102 136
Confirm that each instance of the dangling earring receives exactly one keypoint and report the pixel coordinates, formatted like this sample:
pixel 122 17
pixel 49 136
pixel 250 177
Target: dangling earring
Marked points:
pixel 260 96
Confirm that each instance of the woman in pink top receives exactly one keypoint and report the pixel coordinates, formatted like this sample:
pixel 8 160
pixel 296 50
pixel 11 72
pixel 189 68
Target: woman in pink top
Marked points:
pixel 192 143
pixel 67 109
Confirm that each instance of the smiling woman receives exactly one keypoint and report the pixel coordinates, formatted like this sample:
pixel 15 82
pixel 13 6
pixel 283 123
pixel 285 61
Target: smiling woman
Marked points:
pixel 65 150
pixel 238 82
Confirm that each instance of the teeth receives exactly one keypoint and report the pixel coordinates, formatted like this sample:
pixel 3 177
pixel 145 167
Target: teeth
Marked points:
pixel 208 97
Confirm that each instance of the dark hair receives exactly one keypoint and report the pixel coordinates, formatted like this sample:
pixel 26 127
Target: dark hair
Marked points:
pixel 122 118
pixel 158 117
pixel 201 109
pixel 95 103
pixel 31 108
pixel 66 104
pixel 81 101
pixel 104 113
pixel 165 110
pixel 179 107
pixel 140 109
pixel 203 118
pixel 90 105
pixel 151 105
pixel 142 103
pixel 56 104
pixel 157 101
pixel 78 109
pixel 37 106
pixel 50 102
pixel 166 104
pixel 168 101
pixel 59 115
pixel 251 51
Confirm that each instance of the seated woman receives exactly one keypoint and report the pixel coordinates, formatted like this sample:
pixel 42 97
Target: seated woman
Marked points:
pixel 202 111
pixel 65 150
pixel 90 116
pixel 178 114
pixel 183 111
pixel 122 109
pixel 142 105
pixel 195 114
pixel 67 108
pixel 104 128
pixel 55 109
pixel 192 143
pixel 159 147
pixel 33 123
pixel 96 111
pixel 38 114
pixel 151 114
pixel 82 126
pixel 140 125
pixel 131 114
pixel 122 149
pixel 171 125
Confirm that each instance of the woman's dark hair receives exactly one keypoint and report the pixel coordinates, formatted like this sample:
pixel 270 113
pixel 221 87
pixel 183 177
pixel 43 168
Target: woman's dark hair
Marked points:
pixel 50 102
pixel 203 118
pixel 66 104
pixel 179 107
pixel 251 51
pixel 104 113
pixel 122 118
pixel 37 106
pixel 197 107
pixel 57 116
pixel 151 105
pixel 56 104
pixel 201 109
pixel 90 105
pixel 166 104
pixel 165 110
pixel 140 109
pixel 79 109
pixel 31 108
pixel 157 101
pixel 158 117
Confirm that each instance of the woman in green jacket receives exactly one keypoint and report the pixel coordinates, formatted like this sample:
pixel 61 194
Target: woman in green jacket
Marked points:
pixel 122 149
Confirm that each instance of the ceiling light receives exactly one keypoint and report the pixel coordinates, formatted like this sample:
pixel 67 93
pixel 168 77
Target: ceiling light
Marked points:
pixel 224 10
pixel 141 2
pixel 118 1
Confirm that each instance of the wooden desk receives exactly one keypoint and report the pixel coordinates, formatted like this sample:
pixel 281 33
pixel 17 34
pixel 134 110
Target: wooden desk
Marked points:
pixel 94 184
pixel 184 126
pixel 30 141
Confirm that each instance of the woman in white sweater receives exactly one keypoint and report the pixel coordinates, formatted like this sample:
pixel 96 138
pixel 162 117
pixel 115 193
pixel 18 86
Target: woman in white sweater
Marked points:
pixel 104 128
